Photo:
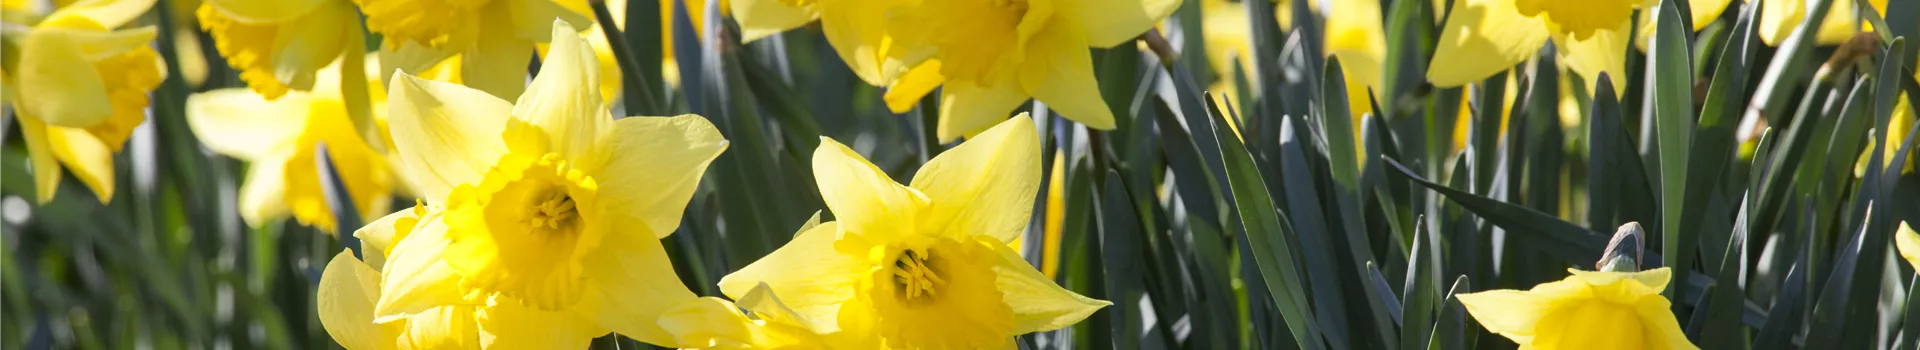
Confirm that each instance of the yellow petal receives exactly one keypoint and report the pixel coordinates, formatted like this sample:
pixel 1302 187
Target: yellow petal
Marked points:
pixel 1508 312
pixel 1109 24
pixel 986 185
pixel 535 19
pixel 1483 37
pixel 1778 18
pixel 509 325
pixel 265 11
pixel 1605 51
pixel 652 165
pixel 107 13
pixel 263 194
pixel 86 157
pixel 866 201
pixel 312 42
pixel 967 109
pixel 858 32
pixel 1655 279
pixel 761 18
pixel 348 289
pixel 1704 12
pixel 446 134
pixel 1038 304
pixel 1356 36
pixel 66 89
pixel 46 168
pixel 564 100
pixel 1059 72
pixel 416 280
pixel 377 238
pixel 808 274
pixel 445 327
pixel 1909 244
pixel 632 282
pixel 708 322
pixel 497 63
pixel 239 123
pixel 913 86
pixel 1663 330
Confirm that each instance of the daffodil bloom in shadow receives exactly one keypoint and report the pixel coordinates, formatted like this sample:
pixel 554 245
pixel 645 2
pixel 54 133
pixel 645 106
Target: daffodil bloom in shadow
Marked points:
pixel 1589 310
pixel 925 265
pixel 991 56
pixel 279 45
pixel 1483 37
pixel 857 29
pixel 82 87
pixel 494 38
pixel 543 217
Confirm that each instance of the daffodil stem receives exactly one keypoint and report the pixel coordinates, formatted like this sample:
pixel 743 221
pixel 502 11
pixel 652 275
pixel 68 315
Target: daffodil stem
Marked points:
pixel 1161 47
pixel 638 96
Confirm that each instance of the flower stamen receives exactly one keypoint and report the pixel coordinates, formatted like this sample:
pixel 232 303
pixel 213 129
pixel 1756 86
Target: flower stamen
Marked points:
pixel 914 276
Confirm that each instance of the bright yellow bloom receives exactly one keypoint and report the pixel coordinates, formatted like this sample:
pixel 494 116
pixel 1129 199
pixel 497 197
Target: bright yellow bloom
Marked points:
pixel 1483 37
pixel 279 45
pixel 82 89
pixel 1778 18
pixel 492 37
pixel 994 55
pixel 548 207
pixel 857 29
pixel 926 265
pixel 279 138
pixel 1589 310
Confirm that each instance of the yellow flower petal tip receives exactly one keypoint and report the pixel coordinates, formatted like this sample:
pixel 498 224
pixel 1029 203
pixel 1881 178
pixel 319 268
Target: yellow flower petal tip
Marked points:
pixel 1908 243
pixel 1614 310
pixel 925 265
pixel 545 214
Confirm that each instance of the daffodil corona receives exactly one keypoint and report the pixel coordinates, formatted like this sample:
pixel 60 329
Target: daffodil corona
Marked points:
pixel 1589 310
pixel 926 265
pixel 83 88
pixel 543 217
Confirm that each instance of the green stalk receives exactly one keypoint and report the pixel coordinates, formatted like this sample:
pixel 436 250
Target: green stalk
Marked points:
pixel 638 97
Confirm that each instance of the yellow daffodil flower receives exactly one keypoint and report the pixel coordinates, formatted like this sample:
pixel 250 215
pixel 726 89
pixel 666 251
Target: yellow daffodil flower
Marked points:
pixel 857 30
pixel 926 265
pixel 1589 310
pixel 279 138
pixel 547 210
pixel 1483 37
pixel 993 56
pixel 1778 18
pixel 82 89
pixel 494 38
pixel 279 45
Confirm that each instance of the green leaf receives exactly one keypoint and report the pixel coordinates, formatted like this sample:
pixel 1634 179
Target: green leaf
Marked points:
pixel 1268 231
pixel 1669 59
pixel 346 215
pixel 1418 302
pixel 1574 244
pixel 1452 330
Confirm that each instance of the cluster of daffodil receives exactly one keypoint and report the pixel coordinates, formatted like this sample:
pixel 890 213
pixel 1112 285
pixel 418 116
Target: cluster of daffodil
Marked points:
pixel 539 225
